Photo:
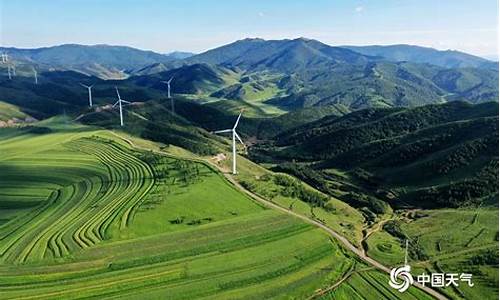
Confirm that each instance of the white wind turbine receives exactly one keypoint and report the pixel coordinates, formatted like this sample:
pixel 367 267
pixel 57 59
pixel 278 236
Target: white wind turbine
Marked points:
pixel 119 102
pixel 168 92
pixel 36 75
pixel 235 136
pixel 406 253
pixel 8 72
pixel 89 88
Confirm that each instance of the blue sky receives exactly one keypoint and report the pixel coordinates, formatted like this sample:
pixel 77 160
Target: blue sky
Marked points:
pixel 198 25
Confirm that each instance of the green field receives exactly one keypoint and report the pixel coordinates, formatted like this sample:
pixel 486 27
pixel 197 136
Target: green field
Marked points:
pixel 86 215
pixel 9 111
pixel 447 240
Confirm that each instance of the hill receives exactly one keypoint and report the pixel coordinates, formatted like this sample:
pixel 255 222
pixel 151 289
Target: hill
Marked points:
pixel 154 121
pixel 417 54
pixel 279 55
pixel 189 79
pixel 272 77
pixel 99 60
pixel 315 74
pixel 86 212
pixel 407 157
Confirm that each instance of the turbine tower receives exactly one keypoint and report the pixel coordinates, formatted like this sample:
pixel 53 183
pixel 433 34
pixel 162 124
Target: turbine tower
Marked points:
pixel 89 88
pixel 406 253
pixel 8 72
pixel 36 75
pixel 119 102
pixel 168 93
pixel 234 136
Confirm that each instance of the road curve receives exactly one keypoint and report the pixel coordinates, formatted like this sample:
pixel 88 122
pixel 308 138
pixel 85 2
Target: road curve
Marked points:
pixel 267 203
pixel 333 233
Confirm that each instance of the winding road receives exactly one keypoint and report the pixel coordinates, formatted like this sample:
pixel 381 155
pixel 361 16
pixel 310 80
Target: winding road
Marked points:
pixel 334 234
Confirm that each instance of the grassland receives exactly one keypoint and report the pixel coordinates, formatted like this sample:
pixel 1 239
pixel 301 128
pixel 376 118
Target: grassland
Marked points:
pixel 368 284
pixel 9 111
pixel 86 215
pixel 447 240
pixel 337 215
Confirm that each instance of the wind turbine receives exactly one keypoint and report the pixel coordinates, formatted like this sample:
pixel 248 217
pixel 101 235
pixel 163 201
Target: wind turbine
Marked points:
pixel 119 102
pixel 168 93
pixel 36 75
pixel 89 88
pixel 235 136
pixel 8 72
pixel 5 57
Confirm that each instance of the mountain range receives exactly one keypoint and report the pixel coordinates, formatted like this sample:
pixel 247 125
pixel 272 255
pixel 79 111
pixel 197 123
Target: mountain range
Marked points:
pixel 378 113
pixel 280 75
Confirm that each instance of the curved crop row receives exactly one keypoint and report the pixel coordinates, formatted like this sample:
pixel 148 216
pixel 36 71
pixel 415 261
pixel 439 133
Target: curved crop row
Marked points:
pixel 79 214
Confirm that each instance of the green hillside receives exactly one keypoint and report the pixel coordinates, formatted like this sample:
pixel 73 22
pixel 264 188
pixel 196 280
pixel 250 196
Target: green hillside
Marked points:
pixel 154 121
pixel 11 112
pixel 433 156
pixel 86 213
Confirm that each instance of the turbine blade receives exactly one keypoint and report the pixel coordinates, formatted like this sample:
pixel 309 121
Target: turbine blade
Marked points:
pixel 126 101
pixel 117 93
pixel 85 86
pixel 116 103
pixel 223 131
pixel 170 80
pixel 237 120
pixel 239 139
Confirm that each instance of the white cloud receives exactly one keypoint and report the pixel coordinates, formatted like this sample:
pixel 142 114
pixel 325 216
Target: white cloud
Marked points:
pixel 261 14
pixel 359 9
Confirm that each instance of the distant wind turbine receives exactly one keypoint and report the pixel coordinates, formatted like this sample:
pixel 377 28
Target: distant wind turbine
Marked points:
pixel 8 72
pixel 234 136
pixel 406 253
pixel 119 102
pixel 5 57
pixel 168 93
pixel 13 70
pixel 35 75
pixel 89 88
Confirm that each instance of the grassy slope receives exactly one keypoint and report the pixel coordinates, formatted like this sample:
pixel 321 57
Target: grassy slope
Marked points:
pixel 449 238
pixel 270 253
pixel 9 111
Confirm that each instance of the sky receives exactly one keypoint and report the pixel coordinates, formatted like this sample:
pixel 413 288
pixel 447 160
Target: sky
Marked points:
pixel 198 25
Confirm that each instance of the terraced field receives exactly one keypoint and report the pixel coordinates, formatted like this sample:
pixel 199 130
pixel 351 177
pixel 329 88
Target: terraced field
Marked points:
pixel 77 191
pixel 85 215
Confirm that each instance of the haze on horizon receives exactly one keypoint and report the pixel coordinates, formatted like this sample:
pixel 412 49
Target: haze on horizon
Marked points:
pixel 198 25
